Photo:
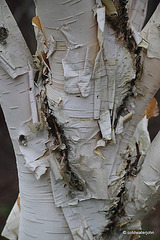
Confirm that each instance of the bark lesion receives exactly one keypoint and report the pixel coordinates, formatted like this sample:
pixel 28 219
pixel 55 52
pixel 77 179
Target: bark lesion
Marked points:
pixel 3 35
pixel 117 207
pixel 123 35
pixel 61 150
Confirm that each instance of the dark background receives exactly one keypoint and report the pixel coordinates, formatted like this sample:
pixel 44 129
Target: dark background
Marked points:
pixel 23 11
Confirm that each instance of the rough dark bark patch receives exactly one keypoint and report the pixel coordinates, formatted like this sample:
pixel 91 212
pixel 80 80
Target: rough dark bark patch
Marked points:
pixel 117 210
pixel 69 176
pixel 3 35
pixel 123 34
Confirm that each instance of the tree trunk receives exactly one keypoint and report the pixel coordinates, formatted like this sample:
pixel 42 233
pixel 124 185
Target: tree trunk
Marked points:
pixel 74 114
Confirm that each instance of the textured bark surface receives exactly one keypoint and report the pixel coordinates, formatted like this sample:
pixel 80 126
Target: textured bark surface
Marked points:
pixel 74 114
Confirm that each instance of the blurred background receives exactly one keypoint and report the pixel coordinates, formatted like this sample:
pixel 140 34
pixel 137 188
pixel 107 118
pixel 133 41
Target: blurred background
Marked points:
pixel 23 11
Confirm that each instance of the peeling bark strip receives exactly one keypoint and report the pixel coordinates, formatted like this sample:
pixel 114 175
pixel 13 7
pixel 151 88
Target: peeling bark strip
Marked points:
pixel 56 131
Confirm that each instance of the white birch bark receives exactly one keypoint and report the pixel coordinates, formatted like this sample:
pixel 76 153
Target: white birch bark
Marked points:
pixel 137 13
pixel 39 219
pixel 71 131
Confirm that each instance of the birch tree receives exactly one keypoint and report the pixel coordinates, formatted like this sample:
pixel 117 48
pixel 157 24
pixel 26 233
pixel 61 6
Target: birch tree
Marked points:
pixel 77 117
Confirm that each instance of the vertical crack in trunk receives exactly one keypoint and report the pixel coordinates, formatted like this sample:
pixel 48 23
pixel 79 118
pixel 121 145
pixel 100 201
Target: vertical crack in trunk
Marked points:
pixel 57 133
pixel 123 34
pixel 117 211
